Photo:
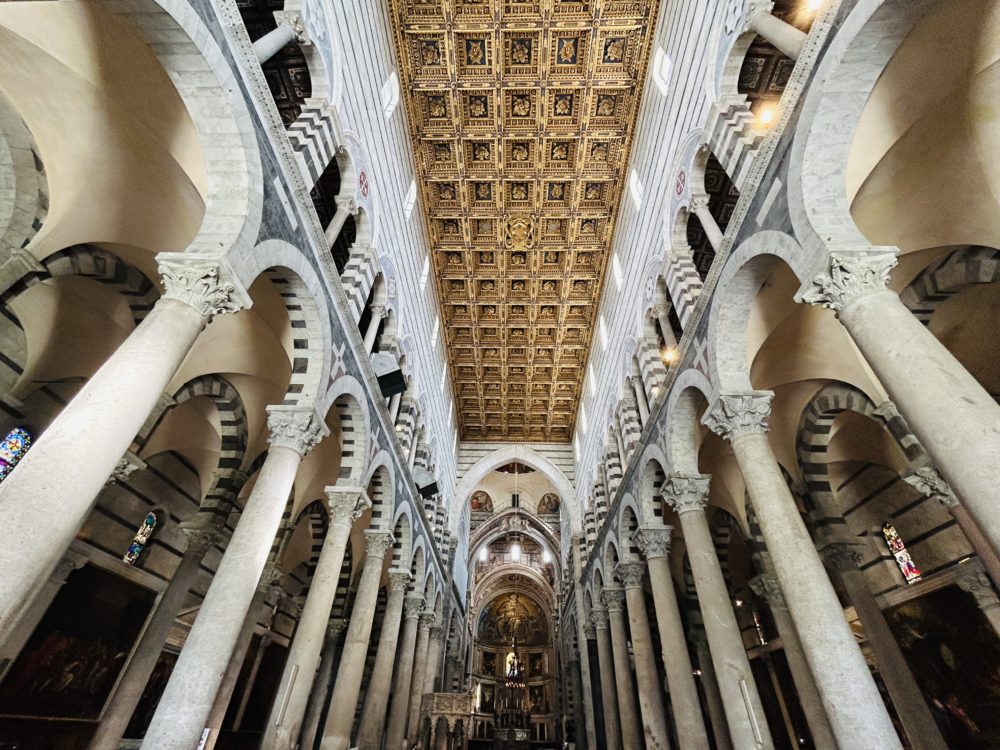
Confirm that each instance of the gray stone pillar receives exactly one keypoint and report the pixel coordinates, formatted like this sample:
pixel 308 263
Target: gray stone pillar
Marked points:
pixel 851 698
pixel 662 313
pixel 640 398
pixel 590 732
pixel 322 684
pixel 147 649
pixel 399 708
pixel 377 695
pixel 606 665
pixel 978 584
pixel 419 667
pixel 647 679
pixel 433 668
pixel 784 36
pixel 53 488
pixel 345 207
pixel 713 696
pixel 699 207
pixel 654 541
pixel 744 712
pixel 844 557
pixel 181 715
pixel 613 599
pixel 339 720
pixel 394 402
pixel 767 588
pixel 346 505
pixel 289 29
pixel 378 315
pixel 949 411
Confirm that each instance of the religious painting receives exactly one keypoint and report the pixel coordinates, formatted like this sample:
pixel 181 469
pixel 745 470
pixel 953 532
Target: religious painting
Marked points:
pixel 481 502
pixel 536 665
pixel 513 616
pixel 536 699
pixel 488 699
pixel 72 660
pixel 549 503
pixel 954 655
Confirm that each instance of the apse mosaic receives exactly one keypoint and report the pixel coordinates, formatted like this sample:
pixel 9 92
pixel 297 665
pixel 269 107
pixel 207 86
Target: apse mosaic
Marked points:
pixel 521 114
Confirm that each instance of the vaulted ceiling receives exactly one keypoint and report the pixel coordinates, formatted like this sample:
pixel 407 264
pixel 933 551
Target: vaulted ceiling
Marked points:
pixel 521 114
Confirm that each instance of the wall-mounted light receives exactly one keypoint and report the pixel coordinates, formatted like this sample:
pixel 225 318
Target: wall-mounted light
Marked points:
pixel 668 355
pixel 766 115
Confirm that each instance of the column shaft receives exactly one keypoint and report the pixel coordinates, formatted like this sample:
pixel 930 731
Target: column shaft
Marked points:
pixel 433 660
pixel 609 694
pixel 417 683
pixel 272 42
pixel 184 708
pixel 690 725
pixel 284 725
pixel 853 704
pixel 399 708
pixel 709 224
pixel 394 402
pixel 53 488
pixel 784 36
pixel 640 398
pixel 590 731
pixel 332 230
pixel 321 685
pixel 713 696
pixel 339 720
pixel 377 695
pixel 654 718
pixel 147 649
pixel 628 711
pixel 979 543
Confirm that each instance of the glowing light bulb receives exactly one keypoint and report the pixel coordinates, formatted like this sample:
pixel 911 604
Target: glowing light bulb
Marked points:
pixel 668 356
pixel 766 115
pixel 813 5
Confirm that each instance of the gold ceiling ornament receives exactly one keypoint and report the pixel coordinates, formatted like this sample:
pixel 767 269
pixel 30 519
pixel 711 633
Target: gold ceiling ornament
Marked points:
pixel 521 114
pixel 519 233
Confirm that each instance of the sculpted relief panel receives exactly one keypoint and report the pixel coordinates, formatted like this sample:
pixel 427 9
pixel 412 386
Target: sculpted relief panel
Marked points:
pixel 521 114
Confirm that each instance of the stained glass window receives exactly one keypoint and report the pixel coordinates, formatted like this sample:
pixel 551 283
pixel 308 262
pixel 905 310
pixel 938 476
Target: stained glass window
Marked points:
pixel 910 571
pixel 13 448
pixel 141 539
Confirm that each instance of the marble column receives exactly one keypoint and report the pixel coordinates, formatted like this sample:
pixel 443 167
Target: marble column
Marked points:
pixel 654 542
pixel 688 494
pixel 606 664
pixel 929 483
pixel 662 313
pixel 323 683
pixel 201 537
pixel 713 696
pixel 640 398
pixel 394 402
pixel 427 619
pixel 346 505
pixel 433 668
pixel 699 207
pixel 785 37
pixel 844 557
pixel 52 490
pixel 851 698
pixel 767 588
pixel 589 728
pixel 339 720
pixel 948 410
pixel 181 715
pixel 289 29
pixel 379 314
pixel 978 584
pixel 647 679
pixel 613 599
pixel 399 707
pixel 345 207
pixel 377 696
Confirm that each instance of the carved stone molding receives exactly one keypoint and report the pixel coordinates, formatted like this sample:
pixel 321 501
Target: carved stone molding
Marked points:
pixel 850 276
pixel 929 483
pixel 686 493
pixel 735 415
pixel 128 465
pixel 297 429
pixel 589 632
pixel 377 542
pixel 600 618
pixel 654 541
pixel 200 538
pixel 346 504
pixel 412 606
pixel 293 20
pixel 842 555
pixel 613 598
pixel 398 580
pixel 978 584
pixel 766 586
pixel 632 574
pixel 426 620
pixel 201 284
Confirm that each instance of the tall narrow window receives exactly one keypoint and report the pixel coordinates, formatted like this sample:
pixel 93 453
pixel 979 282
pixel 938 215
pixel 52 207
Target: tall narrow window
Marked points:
pixel 141 539
pixel 910 571
pixel 13 448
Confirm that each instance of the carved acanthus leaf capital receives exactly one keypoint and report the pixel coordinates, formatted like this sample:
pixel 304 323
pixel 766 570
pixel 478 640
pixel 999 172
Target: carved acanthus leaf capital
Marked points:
pixel 346 504
pixel 412 606
pixel 978 584
pixel 735 415
pixel 654 541
pixel 600 618
pixel 127 466
pixel 298 429
pixel 929 483
pixel 698 203
pixel 631 574
pixel 686 493
pixel 589 632
pixel 293 20
pixel 345 203
pixel 850 276
pixel 201 537
pixel 201 284
pixel 766 586
pixel 427 618
pixel 398 580
pixel 842 555
pixel 377 542
pixel 613 598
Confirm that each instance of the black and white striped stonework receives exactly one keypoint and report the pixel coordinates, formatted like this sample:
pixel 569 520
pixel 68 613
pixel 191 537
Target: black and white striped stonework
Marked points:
pixel 683 282
pixel 732 137
pixel 358 278
pixel 313 138
pixel 960 270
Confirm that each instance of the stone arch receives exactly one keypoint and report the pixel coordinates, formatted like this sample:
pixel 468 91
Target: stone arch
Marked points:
pixel 852 63
pixel 958 271
pixel 24 189
pixel 418 564
pixel 381 490
pixel 207 84
pixel 745 272
pixel 683 435
pixel 315 515
pixel 478 471
pixel 651 478
pixel 350 401
pixel 628 525
pixel 402 537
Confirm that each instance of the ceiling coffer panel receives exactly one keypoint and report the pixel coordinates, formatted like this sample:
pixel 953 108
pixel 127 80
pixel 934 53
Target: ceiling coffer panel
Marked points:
pixel 522 116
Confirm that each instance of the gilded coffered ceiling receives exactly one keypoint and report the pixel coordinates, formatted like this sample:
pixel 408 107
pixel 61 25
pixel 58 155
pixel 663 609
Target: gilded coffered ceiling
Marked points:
pixel 521 114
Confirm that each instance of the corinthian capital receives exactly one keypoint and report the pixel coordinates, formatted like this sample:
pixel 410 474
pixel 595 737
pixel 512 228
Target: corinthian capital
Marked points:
pixel 412 605
pixel 398 579
pixel 929 483
pixel 347 504
pixel 426 620
pixel 849 276
pixel 766 586
pixel 600 618
pixel 686 493
pixel 654 541
pixel 292 20
pixel 298 429
pixel 735 415
pixel 631 574
pixel 378 542
pixel 200 283
pixel 613 597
